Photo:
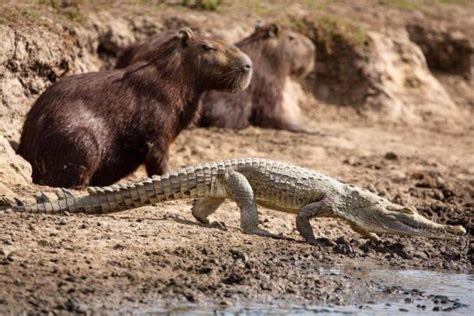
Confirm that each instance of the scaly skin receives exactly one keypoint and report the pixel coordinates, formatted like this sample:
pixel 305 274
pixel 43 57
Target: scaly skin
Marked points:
pixel 252 181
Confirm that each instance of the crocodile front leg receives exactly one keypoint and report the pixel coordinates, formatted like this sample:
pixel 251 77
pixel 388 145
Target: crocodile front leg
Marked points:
pixel 364 233
pixel 320 208
pixel 241 192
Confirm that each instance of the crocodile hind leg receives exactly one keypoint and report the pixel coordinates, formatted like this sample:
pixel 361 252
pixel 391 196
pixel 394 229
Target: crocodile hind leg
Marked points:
pixel 203 208
pixel 320 208
pixel 242 193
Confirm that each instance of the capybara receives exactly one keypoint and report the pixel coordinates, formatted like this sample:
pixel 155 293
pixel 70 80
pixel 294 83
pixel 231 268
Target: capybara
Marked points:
pixel 276 53
pixel 95 128
pixel 140 51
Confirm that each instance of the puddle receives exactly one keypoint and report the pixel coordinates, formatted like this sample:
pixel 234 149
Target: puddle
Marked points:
pixel 405 291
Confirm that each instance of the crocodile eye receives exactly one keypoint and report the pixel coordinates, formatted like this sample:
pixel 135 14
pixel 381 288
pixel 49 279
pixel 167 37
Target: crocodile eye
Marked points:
pixel 409 210
pixel 406 210
pixel 207 48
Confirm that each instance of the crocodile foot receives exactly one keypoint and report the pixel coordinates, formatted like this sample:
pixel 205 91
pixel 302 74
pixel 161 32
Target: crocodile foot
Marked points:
pixel 217 224
pixel 322 242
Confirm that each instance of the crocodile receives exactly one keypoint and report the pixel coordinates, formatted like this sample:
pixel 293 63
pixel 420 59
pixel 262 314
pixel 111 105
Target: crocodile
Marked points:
pixel 250 182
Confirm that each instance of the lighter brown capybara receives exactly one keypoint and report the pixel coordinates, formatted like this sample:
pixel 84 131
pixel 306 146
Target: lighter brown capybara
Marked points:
pixel 277 54
pixel 95 128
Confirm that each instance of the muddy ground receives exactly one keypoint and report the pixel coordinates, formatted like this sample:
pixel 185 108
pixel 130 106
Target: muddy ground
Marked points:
pixel 160 256
pixel 139 257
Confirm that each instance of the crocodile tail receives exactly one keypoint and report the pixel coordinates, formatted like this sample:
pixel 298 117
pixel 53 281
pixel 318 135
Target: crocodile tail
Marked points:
pixel 118 197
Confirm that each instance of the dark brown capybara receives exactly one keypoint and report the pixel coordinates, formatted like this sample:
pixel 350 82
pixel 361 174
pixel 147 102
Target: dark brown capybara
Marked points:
pixel 140 51
pixel 276 53
pixel 95 128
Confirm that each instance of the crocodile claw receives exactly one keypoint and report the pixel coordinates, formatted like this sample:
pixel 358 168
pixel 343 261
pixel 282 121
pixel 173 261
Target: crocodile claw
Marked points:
pixel 217 224
pixel 322 242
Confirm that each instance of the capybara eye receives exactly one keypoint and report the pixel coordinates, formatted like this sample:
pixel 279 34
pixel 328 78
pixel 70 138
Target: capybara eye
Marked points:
pixel 291 37
pixel 207 47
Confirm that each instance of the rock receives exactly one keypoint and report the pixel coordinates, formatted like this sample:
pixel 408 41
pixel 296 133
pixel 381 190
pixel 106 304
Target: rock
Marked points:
pixel 341 240
pixel 32 57
pixel 383 74
pixel 233 278
pixel 13 168
pixel 73 305
pixel 403 87
pixel 237 254
pixel 400 250
pixel 114 35
pixel 344 249
pixel 391 156
pixel 204 270
pixel 325 242
pixel 470 253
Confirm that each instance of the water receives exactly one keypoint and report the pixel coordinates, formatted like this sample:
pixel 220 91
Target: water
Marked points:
pixel 451 293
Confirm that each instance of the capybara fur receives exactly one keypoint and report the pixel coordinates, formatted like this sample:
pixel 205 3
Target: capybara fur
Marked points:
pixel 95 128
pixel 276 53
pixel 141 51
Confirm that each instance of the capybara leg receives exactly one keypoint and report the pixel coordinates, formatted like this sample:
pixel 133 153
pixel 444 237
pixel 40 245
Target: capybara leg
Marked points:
pixel 65 162
pixel 64 174
pixel 156 161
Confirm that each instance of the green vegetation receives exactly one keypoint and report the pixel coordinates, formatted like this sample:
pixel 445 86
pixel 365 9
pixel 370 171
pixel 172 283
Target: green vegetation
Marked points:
pixel 68 8
pixel 328 28
pixel 401 4
pixel 208 5
pixel 276 9
pixel 74 14
pixel 417 4
pixel 30 14
pixel 451 1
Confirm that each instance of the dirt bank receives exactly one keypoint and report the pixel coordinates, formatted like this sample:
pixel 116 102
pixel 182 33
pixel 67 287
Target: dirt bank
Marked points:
pixel 159 255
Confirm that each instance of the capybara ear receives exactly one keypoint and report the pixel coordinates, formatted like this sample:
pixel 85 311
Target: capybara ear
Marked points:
pixel 258 25
pixel 273 30
pixel 185 33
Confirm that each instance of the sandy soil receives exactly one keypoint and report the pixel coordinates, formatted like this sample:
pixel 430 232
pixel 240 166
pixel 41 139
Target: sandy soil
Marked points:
pixel 160 255
pixel 137 257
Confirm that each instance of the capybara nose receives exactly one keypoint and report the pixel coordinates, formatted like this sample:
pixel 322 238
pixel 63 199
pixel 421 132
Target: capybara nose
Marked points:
pixel 246 64
pixel 247 67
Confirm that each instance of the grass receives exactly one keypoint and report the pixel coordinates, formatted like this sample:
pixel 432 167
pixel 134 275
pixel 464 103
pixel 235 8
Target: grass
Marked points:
pixel 417 4
pixel 207 5
pixel 329 28
pixel 273 9
pixel 401 4
pixel 30 13
pixel 459 2
pixel 40 13
pixel 70 9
